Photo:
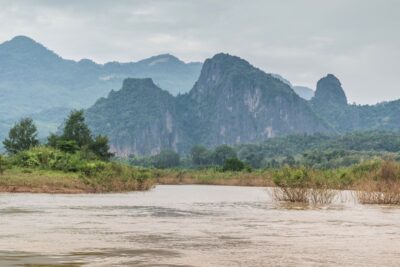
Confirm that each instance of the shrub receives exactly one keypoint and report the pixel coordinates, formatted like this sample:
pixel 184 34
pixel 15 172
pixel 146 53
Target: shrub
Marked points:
pixel 303 185
pixel 49 158
pixel 166 159
pixel 4 164
pixel 292 177
pixel 93 168
pixel 233 164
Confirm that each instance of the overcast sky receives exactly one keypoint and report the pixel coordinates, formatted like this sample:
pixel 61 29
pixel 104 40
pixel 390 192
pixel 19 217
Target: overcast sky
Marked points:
pixel 303 40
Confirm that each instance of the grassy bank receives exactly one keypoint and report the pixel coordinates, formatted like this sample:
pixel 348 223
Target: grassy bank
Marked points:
pixel 214 177
pixel 49 170
pixel 29 180
pixel 18 180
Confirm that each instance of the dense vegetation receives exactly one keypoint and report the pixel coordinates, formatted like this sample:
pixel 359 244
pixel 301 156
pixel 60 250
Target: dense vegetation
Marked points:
pixel 316 151
pixel 76 152
pixel 306 168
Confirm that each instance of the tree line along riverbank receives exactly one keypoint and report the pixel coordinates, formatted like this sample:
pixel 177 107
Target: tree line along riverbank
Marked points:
pixel 75 161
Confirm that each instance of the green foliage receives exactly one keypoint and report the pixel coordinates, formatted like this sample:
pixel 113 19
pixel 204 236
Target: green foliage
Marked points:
pixel 48 158
pixel 292 177
pixel 166 159
pixel 99 146
pixel 75 129
pixel 233 164
pixel 93 168
pixel 314 151
pixel 4 164
pixel 223 153
pixel 21 137
pixel 321 151
pixel 76 137
pixel 200 155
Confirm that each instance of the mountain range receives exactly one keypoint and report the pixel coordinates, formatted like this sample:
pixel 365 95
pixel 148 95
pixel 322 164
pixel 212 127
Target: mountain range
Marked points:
pixel 165 103
pixel 36 82
pixel 232 102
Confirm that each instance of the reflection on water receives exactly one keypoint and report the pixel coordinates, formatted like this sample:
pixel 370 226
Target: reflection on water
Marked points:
pixel 194 226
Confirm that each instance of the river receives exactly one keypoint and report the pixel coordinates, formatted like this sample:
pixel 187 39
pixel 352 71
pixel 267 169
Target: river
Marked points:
pixel 194 226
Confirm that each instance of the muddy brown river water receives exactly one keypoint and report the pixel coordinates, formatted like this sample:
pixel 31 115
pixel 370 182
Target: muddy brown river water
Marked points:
pixel 194 226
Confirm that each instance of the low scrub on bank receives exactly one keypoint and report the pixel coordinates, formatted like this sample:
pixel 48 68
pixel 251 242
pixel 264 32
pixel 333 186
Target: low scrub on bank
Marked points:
pixel 213 176
pixel 77 172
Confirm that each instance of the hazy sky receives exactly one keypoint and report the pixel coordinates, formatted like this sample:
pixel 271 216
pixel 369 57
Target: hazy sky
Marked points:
pixel 357 40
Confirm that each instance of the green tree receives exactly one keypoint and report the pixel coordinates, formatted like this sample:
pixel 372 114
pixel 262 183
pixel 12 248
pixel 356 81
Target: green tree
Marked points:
pixel 77 136
pixel 166 159
pixel 222 153
pixel 100 147
pixel 3 164
pixel 75 129
pixel 233 164
pixel 69 146
pixel 200 155
pixel 21 137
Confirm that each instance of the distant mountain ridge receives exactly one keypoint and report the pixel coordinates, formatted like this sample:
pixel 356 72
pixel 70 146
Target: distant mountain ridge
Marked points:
pixel 34 79
pixel 226 100
pixel 232 102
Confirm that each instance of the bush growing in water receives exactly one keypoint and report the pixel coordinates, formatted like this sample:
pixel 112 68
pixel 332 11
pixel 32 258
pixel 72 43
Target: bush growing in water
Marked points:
pixel 302 185
pixel 381 185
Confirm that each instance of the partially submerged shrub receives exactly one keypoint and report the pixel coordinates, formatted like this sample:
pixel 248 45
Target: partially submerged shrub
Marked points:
pixel 375 192
pixel 302 185
pixel 321 195
pixel 291 194
pixel 381 186
pixel 292 177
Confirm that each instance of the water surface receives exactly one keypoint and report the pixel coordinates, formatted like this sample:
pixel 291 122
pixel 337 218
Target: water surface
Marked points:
pixel 194 226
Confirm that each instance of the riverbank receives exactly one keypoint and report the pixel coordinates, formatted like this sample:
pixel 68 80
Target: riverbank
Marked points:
pixel 23 180
pixel 19 180
pixel 260 178
pixel 376 182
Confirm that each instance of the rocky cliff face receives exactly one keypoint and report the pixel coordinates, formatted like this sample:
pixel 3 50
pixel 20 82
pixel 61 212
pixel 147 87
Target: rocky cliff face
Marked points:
pixel 330 92
pixel 232 102
pixel 330 103
pixel 140 118
pixel 238 103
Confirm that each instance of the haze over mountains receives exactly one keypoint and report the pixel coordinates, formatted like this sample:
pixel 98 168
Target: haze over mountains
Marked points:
pixel 166 103
pixel 35 81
